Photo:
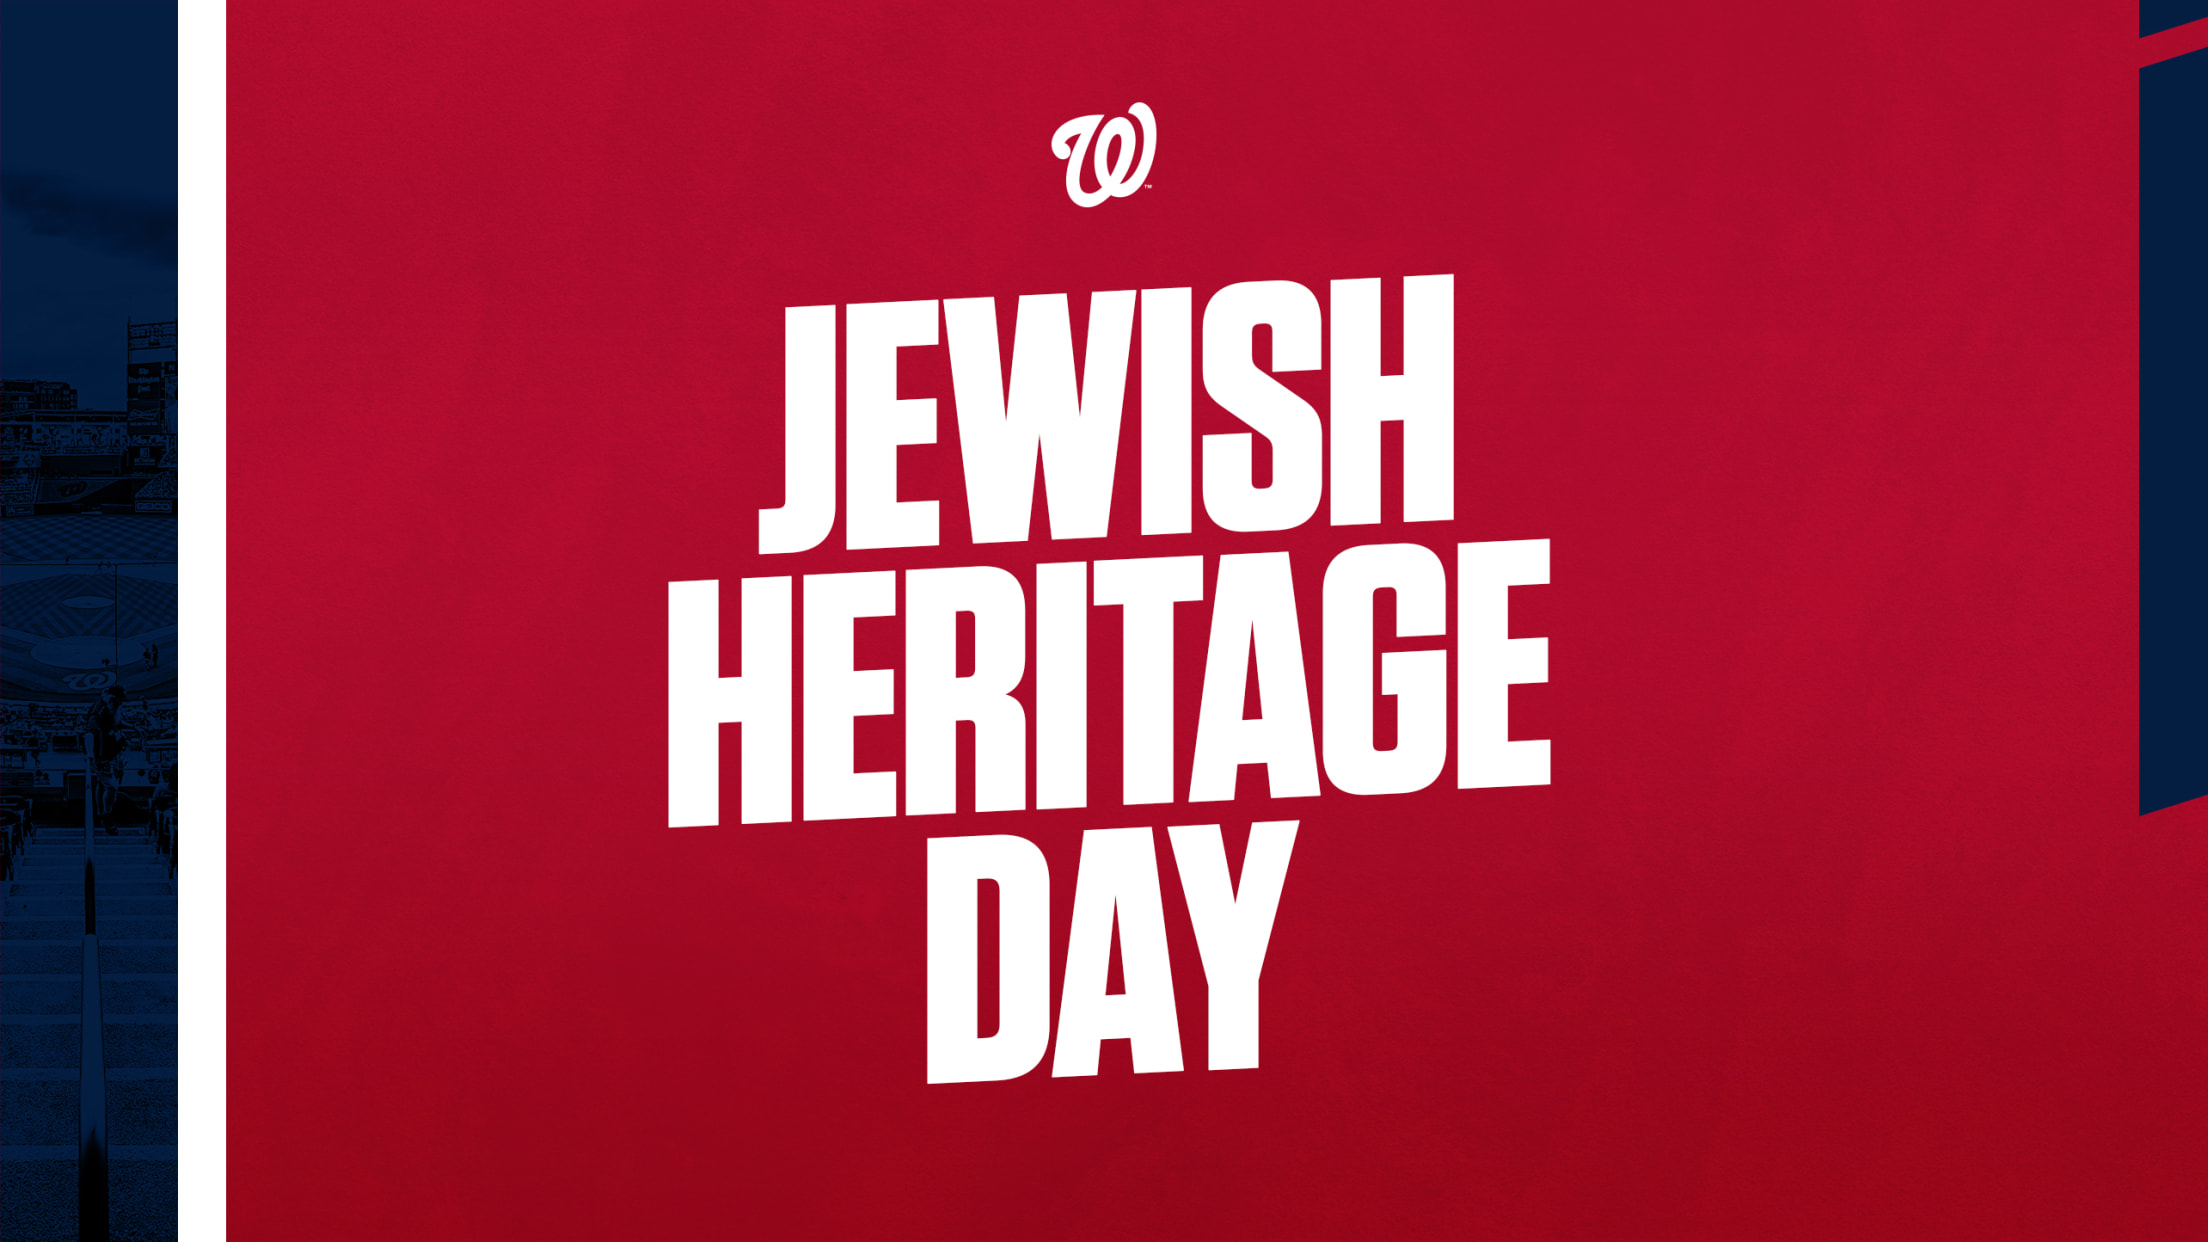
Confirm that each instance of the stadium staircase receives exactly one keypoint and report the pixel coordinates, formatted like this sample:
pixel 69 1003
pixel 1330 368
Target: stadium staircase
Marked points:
pixel 50 1104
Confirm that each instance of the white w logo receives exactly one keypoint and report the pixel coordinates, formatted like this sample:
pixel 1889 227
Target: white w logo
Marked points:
pixel 1117 172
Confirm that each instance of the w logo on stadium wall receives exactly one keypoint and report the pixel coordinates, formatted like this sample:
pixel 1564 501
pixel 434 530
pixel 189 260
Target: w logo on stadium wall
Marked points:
pixel 1119 170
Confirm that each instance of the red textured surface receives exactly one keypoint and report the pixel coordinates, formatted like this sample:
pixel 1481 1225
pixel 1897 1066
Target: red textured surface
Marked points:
pixel 1806 333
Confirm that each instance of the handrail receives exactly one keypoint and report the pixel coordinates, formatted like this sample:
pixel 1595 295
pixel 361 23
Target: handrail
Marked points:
pixel 92 1214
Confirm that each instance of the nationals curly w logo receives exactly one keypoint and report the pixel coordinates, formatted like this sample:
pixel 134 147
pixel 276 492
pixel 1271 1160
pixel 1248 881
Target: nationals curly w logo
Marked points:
pixel 1118 171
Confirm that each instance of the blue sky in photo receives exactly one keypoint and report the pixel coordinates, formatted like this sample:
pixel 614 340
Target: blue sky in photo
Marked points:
pixel 87 187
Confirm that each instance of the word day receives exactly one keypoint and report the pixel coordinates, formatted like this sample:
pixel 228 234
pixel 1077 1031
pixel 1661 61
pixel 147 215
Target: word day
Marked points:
pixel 1116 895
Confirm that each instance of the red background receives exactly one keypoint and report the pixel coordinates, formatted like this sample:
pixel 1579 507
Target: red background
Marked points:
pixel 1806 333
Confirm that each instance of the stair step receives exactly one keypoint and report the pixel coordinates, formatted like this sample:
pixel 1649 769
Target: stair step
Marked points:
pixel 107 887
pixel 57 905
pixel 59 996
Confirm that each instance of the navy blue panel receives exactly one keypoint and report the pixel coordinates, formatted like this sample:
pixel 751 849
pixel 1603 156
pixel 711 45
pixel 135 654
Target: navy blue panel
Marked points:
pixel 2162 14
pixel 2173 431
